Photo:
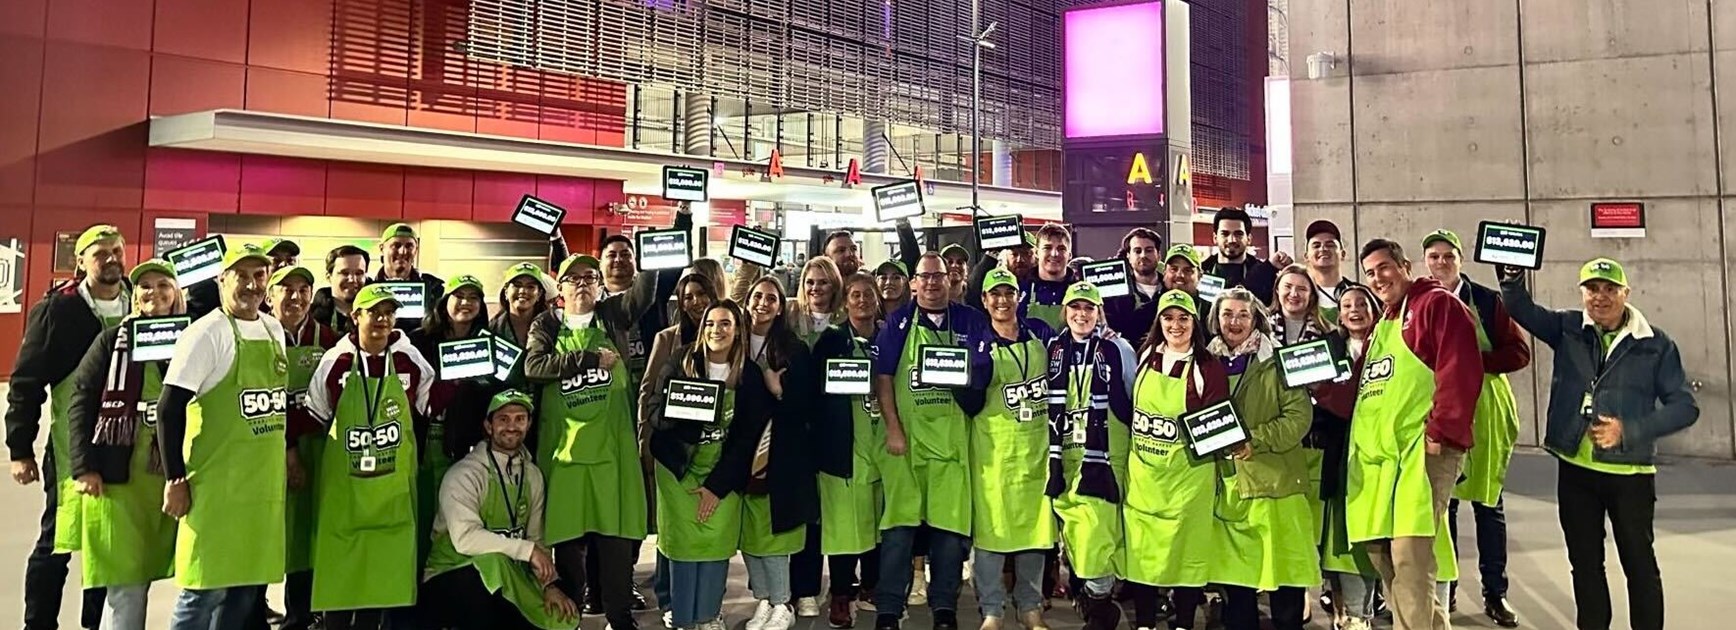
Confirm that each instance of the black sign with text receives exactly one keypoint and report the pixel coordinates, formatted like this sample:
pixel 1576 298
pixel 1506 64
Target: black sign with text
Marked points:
pixel 505 358
pixel 697 401
pixel 198 262
pixel 753 246
pixel 686 184
pixel 412 298
pixel 1214 429
pixel 851 377
pixel 1308 363
pixel 153 338
pixel 663 249
pixel 466 358
pixel 1109 276
pixel 1512 245
pixel 902 200
pixel 1000 232
pixel 943 366
pixel 538 215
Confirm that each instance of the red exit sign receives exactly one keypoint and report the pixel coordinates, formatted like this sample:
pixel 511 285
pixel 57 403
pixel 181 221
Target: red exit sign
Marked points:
pixel 1618 220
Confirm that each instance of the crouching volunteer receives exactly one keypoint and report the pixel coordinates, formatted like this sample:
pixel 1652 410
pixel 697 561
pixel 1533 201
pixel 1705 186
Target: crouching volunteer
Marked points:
pixel 848 442
pixel 1012 519
pixel 1266 537
pixel 702 467
pixel 127 541
pixel 371 390
pixel 1090 411
pixel 221 432
pixel 489 569
pixel 1170 493
pixel 926 474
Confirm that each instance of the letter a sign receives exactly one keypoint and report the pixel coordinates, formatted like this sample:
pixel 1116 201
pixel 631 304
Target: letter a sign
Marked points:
pixel 853 176
pixel 1140 172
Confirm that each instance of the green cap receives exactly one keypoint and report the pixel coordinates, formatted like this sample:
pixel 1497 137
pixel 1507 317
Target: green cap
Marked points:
pixel 1083 291
pixel 94 234
pixel 1603 269
pixel 244 251
pixel 155 264
pixel 509 397
pixel 578 260
pixel 1442 236
pixel 1030 239
pixel 894 266
pixel 1183 250
pixel 272 245
pixel 954 249
pixel 296 271
pixel 521 270
pixel 999 277
pixel 1178 299
pixel 466 280
pixel 396 230
pixel 373 295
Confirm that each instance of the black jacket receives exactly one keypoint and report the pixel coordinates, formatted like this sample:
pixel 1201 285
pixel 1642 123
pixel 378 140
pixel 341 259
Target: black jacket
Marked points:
pixel 1259 276
pixel 795 498
pixel 324 309
pixel 58 331
pixel 834 431
pixel 673 441
pixel 112 462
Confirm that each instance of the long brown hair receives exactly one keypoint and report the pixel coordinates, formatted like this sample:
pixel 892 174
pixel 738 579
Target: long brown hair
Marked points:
pixel 696 362
pixel 1311 311
pixel 1155 342
pixel 779 333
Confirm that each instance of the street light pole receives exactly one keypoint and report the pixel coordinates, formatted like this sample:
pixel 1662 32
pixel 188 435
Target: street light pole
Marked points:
pixel 979 40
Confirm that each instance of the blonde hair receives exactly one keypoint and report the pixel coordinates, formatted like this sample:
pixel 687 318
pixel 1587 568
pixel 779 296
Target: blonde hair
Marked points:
pixel 861 277
pixel 178 307
pixel 695 365
pixel 1311 312
pixel 710 268
pixel 830 271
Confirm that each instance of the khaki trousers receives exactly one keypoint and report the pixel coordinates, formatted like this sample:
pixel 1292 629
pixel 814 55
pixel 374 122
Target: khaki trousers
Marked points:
pixel 1407 565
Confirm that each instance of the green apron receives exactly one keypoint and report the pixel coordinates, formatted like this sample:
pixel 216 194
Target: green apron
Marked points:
pixel 127 539
pixel 1169 493
pixel 589 449
pixel 1091 527
pixel 1387 493
pixel 68 514
pixel 233 534
pixel 757 537
pixel 930 483
pixel 1010 444
pixel 850 508
pixel 1270 541
pixel 500 574
pixel 364 551
pixel 1050 314
pixel 301 504
pixel 680 535
pixel 1494 431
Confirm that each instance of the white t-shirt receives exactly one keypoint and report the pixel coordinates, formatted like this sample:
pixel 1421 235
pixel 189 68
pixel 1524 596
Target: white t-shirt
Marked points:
pixel 756 346
pixel 576 321
pixel 206 350
pixel 821 320
pixel 1148 290
pixel 107 310
pixel 717 371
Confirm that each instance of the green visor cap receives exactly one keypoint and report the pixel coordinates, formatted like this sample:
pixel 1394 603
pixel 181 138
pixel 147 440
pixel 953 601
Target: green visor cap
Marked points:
pixel 509 397
pixel 1083 291
pixel 953 250
pixel 1603 269
pixel 578 260
pixel 892 265
pixel 155 264
pixel 1442 236
pixel 466 280
pixel 521 270
pixel 93 235
pixel 1183 250
pixel 396 230
pixel 280 276
pixel 374 295
pixel 244 252
pixel 999 277
pixel 1178 299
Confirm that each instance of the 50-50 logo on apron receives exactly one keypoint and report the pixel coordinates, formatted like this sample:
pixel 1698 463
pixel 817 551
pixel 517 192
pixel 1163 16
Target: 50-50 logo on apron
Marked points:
pixel 1018 396
pixel 1155 434
pixel 377 444
pixel 263 409
pixel 574 389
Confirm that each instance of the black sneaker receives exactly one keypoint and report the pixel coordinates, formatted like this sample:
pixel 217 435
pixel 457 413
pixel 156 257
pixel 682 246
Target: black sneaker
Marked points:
pixel 945 620
pixel 886 622
pixel 639 603
pixel 593 601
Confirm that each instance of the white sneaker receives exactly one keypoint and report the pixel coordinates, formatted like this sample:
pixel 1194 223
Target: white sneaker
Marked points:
pixel 782 618
pixel 866 604
pixel 1354 623
pixel 918 589
pixel 760 616
pixel 808 607
pixel 669 619
pixel 991 622
pixel 714 624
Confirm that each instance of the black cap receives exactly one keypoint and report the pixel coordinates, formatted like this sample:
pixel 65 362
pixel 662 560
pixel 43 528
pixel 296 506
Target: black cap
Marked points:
pixel 284 245
pixel 1323 227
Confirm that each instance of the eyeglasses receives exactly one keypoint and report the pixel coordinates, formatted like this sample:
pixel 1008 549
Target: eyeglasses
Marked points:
pixel 582 281
pixel 932 276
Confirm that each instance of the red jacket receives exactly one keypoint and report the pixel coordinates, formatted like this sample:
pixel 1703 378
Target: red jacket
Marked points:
pixel 1440 331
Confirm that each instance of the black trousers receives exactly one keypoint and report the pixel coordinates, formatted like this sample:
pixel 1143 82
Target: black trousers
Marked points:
pixel 615 558
pixel 805 566
pixel 45 571
pixel 298 601
pixel 1242 608
pixel 1145 608
pixel 1491 543
pixel 460 601
pixel 845 580
pixel 1585 499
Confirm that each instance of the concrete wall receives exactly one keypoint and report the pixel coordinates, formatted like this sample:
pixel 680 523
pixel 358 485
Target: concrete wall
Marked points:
pixel 1442 114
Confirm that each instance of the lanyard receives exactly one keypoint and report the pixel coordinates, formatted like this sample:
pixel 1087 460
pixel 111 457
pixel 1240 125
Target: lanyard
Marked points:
pixel 1080 379
pixel 500 477
pixel 370 396
pixel 1024 362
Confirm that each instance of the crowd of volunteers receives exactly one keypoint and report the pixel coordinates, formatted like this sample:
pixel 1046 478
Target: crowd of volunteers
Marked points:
pixel 902 428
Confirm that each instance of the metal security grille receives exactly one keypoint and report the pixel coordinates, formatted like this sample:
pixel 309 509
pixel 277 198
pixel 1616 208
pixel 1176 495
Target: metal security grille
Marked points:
pixel 899 62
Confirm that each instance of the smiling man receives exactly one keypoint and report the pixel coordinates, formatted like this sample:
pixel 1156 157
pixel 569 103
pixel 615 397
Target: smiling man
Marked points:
pixel 1418 394
pixel 346 268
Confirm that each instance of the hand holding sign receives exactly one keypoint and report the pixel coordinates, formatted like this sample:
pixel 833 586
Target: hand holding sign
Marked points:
pixel 753 246
pixel 898 201
pixel 539 215
pixel 663 249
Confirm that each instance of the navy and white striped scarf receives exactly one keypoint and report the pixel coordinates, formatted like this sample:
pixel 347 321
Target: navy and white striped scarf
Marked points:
pixel 1096 476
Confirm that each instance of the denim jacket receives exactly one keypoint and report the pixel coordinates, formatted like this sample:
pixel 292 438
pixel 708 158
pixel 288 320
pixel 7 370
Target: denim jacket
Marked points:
pixel 1642 383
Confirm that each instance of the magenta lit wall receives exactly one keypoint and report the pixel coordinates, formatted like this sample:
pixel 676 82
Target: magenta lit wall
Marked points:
pixel 1113 60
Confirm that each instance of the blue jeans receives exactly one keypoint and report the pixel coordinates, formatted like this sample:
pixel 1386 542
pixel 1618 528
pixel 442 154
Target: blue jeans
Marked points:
pixel 696 591
pixel 214 609
pixel 1353 594
pixel 946 552
pixel 124 609
pixel 1491 543
pixel 769 578
pixel 660 581
pixel 1027 581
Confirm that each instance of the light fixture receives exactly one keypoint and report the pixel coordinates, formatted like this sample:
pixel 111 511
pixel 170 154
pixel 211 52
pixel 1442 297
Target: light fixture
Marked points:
pixel 1321 65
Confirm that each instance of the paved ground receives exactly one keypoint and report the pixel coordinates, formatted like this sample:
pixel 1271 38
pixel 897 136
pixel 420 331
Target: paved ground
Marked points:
pixel 1696 541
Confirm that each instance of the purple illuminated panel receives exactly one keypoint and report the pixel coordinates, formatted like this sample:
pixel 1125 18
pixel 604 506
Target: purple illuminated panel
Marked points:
pixel 1114 70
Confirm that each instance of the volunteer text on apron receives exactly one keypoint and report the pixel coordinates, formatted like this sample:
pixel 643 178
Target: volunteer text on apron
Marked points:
pixel 1170 493
pixel 505 510
pixel 1494 431
pixel 301 504
pixel 1010 444
pixel 850 508
pixel 1387 493
pixel 589 449
pixel 930 483
pixel 365 536
pixel 233 534
pixel 127 538
pixel 680 535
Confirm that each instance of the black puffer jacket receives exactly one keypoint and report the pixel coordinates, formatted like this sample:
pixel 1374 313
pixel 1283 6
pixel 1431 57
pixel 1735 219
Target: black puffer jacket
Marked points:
pixel 57 332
